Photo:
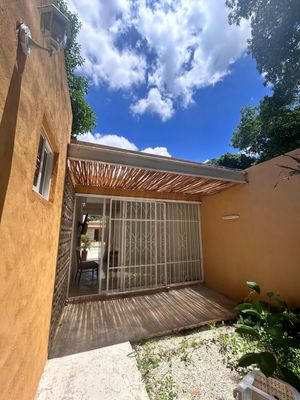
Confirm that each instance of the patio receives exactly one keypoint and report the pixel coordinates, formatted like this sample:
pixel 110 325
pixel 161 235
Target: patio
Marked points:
pixel 95 324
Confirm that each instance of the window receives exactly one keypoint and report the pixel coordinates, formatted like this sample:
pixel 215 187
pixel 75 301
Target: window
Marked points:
pixel 43 168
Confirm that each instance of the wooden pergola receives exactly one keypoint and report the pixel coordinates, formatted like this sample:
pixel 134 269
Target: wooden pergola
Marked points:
pixel 104 170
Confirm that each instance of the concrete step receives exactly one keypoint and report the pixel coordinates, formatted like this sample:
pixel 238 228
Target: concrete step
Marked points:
pixel 109 373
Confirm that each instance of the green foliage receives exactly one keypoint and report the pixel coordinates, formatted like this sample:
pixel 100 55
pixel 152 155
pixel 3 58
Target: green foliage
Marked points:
pixel 274 41
pixel 247 330
pixel 149 358
pixel 238 161
pixel 94 218
pixel 167 388
pixel 187 347
pixel 83 115
pixel 275 330
pixel 85 242
pixel 253 286
pixel 273 127
pixel 248 132
pixel 156 361
pixel 233 346
pixel 267 130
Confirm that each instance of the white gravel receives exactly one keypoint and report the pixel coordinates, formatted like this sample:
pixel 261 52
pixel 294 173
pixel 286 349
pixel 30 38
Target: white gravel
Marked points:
pixel 190 366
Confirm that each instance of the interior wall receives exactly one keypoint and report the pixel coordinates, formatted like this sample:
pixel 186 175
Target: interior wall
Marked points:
pixel 263 245
pixel 33 93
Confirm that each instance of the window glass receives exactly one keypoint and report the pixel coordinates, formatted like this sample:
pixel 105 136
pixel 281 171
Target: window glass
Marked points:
pixel 43 168
pixel 38 161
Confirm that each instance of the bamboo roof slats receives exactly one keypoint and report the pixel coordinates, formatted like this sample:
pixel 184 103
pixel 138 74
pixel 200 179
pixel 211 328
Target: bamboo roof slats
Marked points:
pixel 104 175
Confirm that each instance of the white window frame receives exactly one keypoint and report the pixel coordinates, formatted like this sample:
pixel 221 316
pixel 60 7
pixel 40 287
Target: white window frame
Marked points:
pixel 43 182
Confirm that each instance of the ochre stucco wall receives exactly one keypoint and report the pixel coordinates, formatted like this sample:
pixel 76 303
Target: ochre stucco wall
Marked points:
pixel 33 92
pixel 264 244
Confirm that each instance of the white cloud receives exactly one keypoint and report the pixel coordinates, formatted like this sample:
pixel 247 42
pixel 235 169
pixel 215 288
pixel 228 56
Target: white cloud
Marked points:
pixel 121 142
pixel 193 42
pixel 109 140
pixel 154 104
pixel 102 23
pixel 159 151
pixel 168 48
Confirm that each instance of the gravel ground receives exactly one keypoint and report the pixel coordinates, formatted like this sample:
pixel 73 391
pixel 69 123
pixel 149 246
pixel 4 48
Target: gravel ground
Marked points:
pixel 186 366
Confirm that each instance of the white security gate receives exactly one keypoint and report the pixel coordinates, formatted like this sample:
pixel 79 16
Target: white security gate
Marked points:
pixel 151 244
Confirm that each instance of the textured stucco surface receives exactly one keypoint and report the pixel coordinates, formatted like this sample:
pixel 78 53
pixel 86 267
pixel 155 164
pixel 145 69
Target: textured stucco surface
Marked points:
pixel 263 245
pixel 33 93
pixel 109 373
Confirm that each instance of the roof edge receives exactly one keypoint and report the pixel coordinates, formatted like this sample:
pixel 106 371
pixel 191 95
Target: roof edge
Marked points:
pixel 112 155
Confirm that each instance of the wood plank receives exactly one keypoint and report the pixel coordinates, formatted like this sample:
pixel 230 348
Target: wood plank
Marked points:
pixel 138 194
pixel 90 325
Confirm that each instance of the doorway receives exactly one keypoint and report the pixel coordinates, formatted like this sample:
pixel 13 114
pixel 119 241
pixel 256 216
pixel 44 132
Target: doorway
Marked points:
pixel 139 244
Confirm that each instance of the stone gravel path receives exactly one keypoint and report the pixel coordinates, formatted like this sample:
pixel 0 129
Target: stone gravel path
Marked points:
pixel 190 367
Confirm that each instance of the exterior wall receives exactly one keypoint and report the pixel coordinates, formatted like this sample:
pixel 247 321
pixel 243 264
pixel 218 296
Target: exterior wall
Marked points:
pixel 263 245
pixel 64 255
pixel 33 92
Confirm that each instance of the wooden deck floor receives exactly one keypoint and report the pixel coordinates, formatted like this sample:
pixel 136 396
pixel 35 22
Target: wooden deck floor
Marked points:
pixel 95 324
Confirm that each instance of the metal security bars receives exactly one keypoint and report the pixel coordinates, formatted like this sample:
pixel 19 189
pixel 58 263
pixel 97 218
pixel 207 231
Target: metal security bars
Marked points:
pixel 140 244
pixel 151 244
pixel 183 243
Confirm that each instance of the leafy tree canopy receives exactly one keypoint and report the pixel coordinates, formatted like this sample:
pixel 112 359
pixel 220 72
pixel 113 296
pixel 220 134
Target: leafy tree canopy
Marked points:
pixel 275 38
pixel 266 135
pixel 83 116
pixel 273 127
pixel 238 161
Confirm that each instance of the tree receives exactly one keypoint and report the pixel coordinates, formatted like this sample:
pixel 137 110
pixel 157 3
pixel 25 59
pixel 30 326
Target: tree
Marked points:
pixel 265 133
pixel 247 136
pixel 275 38
pixel 238 161
pixel 273 127
pixel 83 116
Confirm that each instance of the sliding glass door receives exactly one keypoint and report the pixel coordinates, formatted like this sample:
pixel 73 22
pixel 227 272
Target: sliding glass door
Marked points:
pixel 152 244
pixel 138 244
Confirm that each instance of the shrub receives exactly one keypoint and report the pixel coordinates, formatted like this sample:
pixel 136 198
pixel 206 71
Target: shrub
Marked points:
pixel 85 242
pixel 275 329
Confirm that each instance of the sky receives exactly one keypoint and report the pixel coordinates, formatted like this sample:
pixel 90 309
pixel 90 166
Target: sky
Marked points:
pixel 167 77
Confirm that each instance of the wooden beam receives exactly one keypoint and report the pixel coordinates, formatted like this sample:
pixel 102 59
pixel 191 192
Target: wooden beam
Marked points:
pixel 135 159
pixel 132 193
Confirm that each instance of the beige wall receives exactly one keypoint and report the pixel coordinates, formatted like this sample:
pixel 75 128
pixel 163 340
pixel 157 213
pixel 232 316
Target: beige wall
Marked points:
pixel 33 93
pixel 264 244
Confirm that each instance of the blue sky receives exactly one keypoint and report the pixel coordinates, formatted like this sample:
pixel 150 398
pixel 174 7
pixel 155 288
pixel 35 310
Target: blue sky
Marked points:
pixel 167 77
pixel 201 132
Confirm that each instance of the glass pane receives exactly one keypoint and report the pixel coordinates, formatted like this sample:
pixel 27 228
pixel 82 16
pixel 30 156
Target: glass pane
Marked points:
pixel 46 22
pixel 42 188
pixel 47 172
pixel 38 161
pixel 58 28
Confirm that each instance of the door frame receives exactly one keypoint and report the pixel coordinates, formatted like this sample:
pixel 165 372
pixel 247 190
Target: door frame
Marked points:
pixel 108 200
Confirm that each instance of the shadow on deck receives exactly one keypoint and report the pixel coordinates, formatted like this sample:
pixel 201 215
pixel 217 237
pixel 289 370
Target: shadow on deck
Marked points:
pixel 95 324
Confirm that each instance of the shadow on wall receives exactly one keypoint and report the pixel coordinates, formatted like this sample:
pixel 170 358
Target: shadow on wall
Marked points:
pixel 8 124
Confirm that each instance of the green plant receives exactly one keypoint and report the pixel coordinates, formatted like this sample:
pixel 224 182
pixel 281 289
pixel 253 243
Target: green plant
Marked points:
pixel 232 346
pixel 274 328
pixel 238 161
pixel 167 389
pixel 85 242
pixel 272 127
pixel 84 119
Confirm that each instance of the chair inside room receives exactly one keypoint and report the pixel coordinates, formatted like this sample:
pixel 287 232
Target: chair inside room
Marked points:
pixel 85 266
